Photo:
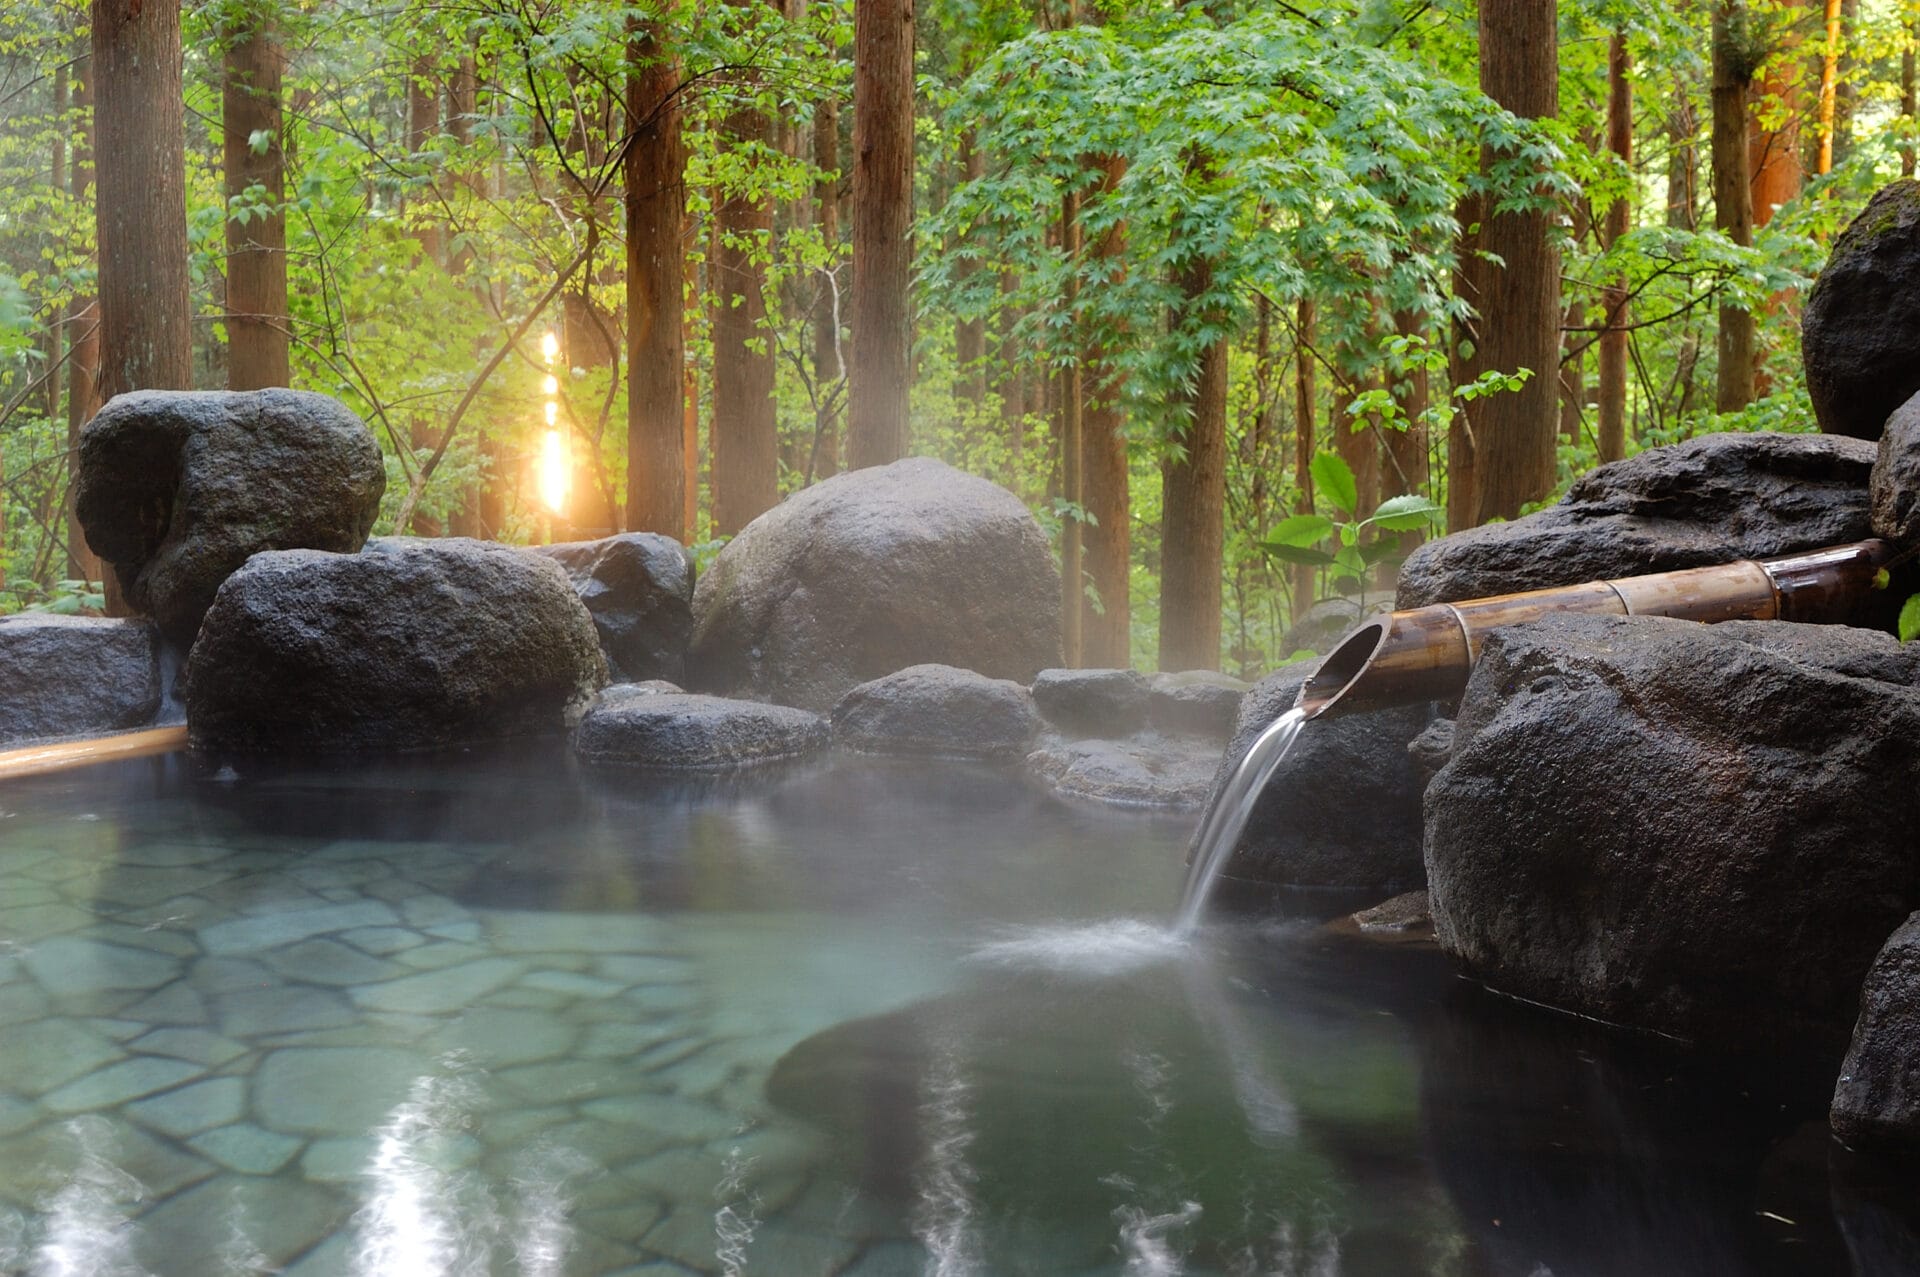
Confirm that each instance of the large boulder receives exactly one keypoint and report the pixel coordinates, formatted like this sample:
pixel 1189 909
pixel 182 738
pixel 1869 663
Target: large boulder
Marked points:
pixel 177 488
pixel 1201 703
pixel 1895 485
pixel 1877 1100
pixel 1343 809
pixel 631 724
pixel 1145 770
pixel 937 710
pixel 1860 330
pixel 1709 500
pixel 638 587
pixel 873 571
pixel 75 675
pixel 1097 702
pixel 1699 830
pixel 410 644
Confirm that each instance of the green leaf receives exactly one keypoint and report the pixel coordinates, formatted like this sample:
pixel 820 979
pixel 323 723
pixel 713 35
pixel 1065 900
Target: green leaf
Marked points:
pixel 1910 620
pixel 1298 554
pixel 1407 513
pixel 1300 530
pixel 1333 478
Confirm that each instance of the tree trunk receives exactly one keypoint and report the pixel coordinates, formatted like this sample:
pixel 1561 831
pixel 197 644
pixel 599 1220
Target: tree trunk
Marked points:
pixel 423 125
pixel 655 170
pixel 83 321
pixel 1683 160
pixel 1613 299
pixel 257 333
pixel 745 436
pixel 1732 208
pixel 1829 92
pixel 1303 414
pixel 1774 172
pixel 880 377
pixel 828 368
pixel 1507 439
pixel 970 335
pixel 1193 507
pixel 1068 429
pixel 1105 631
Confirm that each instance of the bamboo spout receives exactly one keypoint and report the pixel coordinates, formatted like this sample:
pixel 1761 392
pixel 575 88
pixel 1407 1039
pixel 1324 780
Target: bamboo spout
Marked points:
pixel 1426 653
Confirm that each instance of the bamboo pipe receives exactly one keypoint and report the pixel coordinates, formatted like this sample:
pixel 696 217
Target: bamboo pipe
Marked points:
pixel 1426 653
pixel 53 756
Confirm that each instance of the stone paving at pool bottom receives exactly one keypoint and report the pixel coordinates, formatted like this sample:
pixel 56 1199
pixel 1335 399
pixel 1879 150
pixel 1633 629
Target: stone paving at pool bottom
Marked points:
pixel 256 1054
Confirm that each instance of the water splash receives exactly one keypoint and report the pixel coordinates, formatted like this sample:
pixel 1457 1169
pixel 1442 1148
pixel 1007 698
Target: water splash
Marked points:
pixel 944 1218
pixel 1110 948
pixel 1227 816
pixel 88 1231
pixel 1144 1241
pixel 421 1218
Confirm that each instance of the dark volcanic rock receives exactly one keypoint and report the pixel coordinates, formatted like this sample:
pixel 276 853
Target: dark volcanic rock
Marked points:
pixel 1141 771
pixel 1092 702
pixel 177 488
pixel 1709 500
pixel 1877 1100
pixel 1409 911
pixel 1432 747
pixel 1895 486
pixel 1700 830
pixel 873 571
pixel 1860 331
pixel 1198 702
pixel 71 675
pixel 939 710
pixel 638 587
pixel 630 724
pixel 1343 810
pixel 410 645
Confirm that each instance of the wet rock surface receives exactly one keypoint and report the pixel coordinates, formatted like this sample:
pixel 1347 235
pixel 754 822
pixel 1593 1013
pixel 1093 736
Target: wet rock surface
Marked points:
pixel 638 587
pixel 873 571
pixel 1145 770
pixel 1098 702
pixel 1343 810
pixel 1876 1103
pixel 1200 702
pixel 177 488
pixel 937 710
pixel 72 675
pixel 411 644
pixel 1710 500
pixel 1327 622
pixel 1895 486
pixel 1860 331
pixel 638 724
pixel 1700 830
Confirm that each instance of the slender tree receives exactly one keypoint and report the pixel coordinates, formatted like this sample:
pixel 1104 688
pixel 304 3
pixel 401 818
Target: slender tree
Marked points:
pixel 879 377
pixel 1732 192
pixel 1069 440
pixel 1193 484
pixel 257 332
pixel 970 335
pixel 1613 299
pixel 1303 414
pixel 1106 625
pixel 745 440
pixel 1502 451
pixel 828 367
pixel 83 322
pixel 655 171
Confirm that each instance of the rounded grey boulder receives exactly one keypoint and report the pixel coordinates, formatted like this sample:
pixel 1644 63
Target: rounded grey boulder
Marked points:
pixel 71 675
pixel 1092 702
pixel 1860 330
pixel 177 488
pixel 633 724
pixel 1709 500
pixel 412 644
pixel 1877 1099
pixel 1895 485
pixel 638 587
pixel 872 571
pixel 937 710
pixel 1702 830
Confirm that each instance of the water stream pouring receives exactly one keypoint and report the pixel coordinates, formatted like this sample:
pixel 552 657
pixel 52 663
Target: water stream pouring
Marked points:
pixel 1426 654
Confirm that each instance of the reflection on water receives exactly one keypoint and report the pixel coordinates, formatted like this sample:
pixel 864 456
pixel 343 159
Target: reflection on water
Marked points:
pixel 495 1016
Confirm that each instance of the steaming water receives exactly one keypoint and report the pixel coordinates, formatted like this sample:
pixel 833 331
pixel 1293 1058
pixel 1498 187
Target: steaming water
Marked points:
pixel 1227 816
pixel 493 1016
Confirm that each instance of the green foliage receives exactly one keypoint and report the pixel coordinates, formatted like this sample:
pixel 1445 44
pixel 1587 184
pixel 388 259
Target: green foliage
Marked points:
pixel 1910 620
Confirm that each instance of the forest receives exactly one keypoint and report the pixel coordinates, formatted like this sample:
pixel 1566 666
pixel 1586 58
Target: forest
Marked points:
pixel 1244 299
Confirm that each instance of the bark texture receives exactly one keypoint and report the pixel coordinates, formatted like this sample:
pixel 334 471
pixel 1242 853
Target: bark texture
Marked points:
pixel 257 334
pixel 880 376
pixel 655 169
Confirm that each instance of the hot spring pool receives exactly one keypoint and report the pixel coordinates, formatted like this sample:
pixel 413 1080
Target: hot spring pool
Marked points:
pixel 493 1015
